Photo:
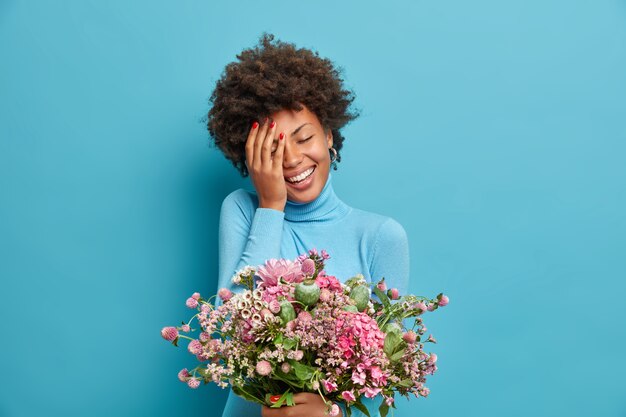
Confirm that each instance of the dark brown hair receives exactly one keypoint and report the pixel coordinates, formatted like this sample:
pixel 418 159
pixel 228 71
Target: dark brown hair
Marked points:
pixel 270 77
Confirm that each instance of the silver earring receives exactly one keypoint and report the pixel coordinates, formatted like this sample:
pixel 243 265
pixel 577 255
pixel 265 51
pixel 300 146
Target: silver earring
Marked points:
pixel 333 157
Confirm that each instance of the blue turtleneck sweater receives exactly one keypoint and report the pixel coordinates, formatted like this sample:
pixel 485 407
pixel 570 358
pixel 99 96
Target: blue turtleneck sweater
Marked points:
pixel 358 242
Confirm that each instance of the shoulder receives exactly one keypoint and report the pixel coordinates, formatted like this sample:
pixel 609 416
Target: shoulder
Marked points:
pixel 379 226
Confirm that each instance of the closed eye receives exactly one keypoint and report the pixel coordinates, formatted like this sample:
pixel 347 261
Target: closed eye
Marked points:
pixel 305 140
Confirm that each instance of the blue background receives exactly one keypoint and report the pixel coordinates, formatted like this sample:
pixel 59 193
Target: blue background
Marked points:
pixel 494 131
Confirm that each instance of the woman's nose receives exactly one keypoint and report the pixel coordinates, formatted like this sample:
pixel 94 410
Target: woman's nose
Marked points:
pixel 292 156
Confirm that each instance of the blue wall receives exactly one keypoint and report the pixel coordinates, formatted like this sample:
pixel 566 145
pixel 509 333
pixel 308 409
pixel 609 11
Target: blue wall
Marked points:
pixel 493 131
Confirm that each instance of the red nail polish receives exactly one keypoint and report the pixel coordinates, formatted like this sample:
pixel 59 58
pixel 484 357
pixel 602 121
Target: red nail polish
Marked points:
pixel 255 125
pixel 272 124
pixel 281 136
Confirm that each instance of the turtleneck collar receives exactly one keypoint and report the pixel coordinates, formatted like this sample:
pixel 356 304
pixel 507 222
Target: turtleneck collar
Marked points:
pixel 326 207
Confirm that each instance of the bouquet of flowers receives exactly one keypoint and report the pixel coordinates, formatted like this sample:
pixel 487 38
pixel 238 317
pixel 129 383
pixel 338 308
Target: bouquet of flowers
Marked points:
pixel 296 329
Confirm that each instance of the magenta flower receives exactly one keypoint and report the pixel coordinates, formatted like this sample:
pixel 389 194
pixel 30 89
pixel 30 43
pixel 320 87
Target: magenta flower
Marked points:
pixel 225 294
pixel 394 294
pixel 169 333
pixel 274 269
pixel 194 347
pixel 409 337
pixel 193 383
pixel 443 300
pixel 329 386
pixel 308 267
pixel 328 281
pixel 348 396
pixel 183 375
pixel 192 302
pixel 263 368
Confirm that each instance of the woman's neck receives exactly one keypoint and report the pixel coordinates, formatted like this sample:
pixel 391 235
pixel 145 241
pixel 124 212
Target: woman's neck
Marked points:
pixel 326 207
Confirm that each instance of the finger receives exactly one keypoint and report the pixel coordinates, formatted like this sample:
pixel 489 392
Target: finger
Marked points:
pixel 268 142
pixel 277 159
pixel 250 143
pixel 273 412
pixel 305 397
pixel 258 143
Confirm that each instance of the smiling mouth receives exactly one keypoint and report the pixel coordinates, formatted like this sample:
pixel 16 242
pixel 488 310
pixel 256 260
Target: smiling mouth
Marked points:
pixel 299 178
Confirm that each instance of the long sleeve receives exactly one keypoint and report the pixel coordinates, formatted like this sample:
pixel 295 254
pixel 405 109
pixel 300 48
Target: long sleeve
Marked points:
pixel 390 256
pixel 248 235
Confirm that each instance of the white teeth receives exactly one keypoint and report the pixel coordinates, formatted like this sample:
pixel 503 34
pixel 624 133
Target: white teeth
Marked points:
pixel 302 176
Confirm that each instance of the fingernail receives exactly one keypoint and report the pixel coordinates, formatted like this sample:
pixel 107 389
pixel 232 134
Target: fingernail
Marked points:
pixel 281 136
pixel 255 125
pixel 272 124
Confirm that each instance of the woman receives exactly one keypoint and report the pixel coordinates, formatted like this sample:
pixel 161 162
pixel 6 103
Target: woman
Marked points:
pixel 276 115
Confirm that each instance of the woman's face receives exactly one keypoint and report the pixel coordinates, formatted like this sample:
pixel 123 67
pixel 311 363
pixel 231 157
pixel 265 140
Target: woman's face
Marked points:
pixel 306 160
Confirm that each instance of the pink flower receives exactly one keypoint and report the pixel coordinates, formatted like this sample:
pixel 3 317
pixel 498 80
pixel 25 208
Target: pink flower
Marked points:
pixel 420 306
pixel 274 269
pixel 394 294
pixel 185 328
pixel 298 355
pixel 443 300
pixel 325 254
pixel 204 336
pixel 169 333
pixel 370 392
pixel 409 337
pixel 183 375
pixel 325 295
pixel 389 400
pixel 304 316
pixel 225 294
pixel 274 306
pixel 263 368
pixel 431 307
pixel 193 383
pixel 194 347
pixel 348 396
pixel 285 367
pixel 196 295
pixel 328 281
pixel 382 286
pixel 334 410
pixel 432 358
pixel 308 267
pixel 329 386
pixel 358 377
pixel 431 339
pixel 192 302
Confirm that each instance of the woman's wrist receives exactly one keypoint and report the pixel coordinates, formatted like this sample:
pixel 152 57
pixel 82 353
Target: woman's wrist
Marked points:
pixel 280 206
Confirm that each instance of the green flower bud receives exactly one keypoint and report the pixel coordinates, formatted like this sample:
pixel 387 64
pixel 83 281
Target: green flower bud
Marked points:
pixel 307 292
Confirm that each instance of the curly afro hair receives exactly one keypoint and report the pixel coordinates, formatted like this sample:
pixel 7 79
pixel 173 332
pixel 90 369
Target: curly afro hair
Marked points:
pixel 270 77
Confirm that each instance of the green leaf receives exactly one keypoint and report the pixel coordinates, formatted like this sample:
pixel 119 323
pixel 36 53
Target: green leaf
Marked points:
pixel 279 339
pixel 397 356
pixel 289 344
pixel 382 296
pixel 383 409
pixel 175 342
pixel 303 372
pixel 358 404
pixel 392 340
pixel 407 383
pixel 244 394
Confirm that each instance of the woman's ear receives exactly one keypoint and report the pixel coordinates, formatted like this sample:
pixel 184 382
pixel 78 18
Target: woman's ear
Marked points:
pixel 329 138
